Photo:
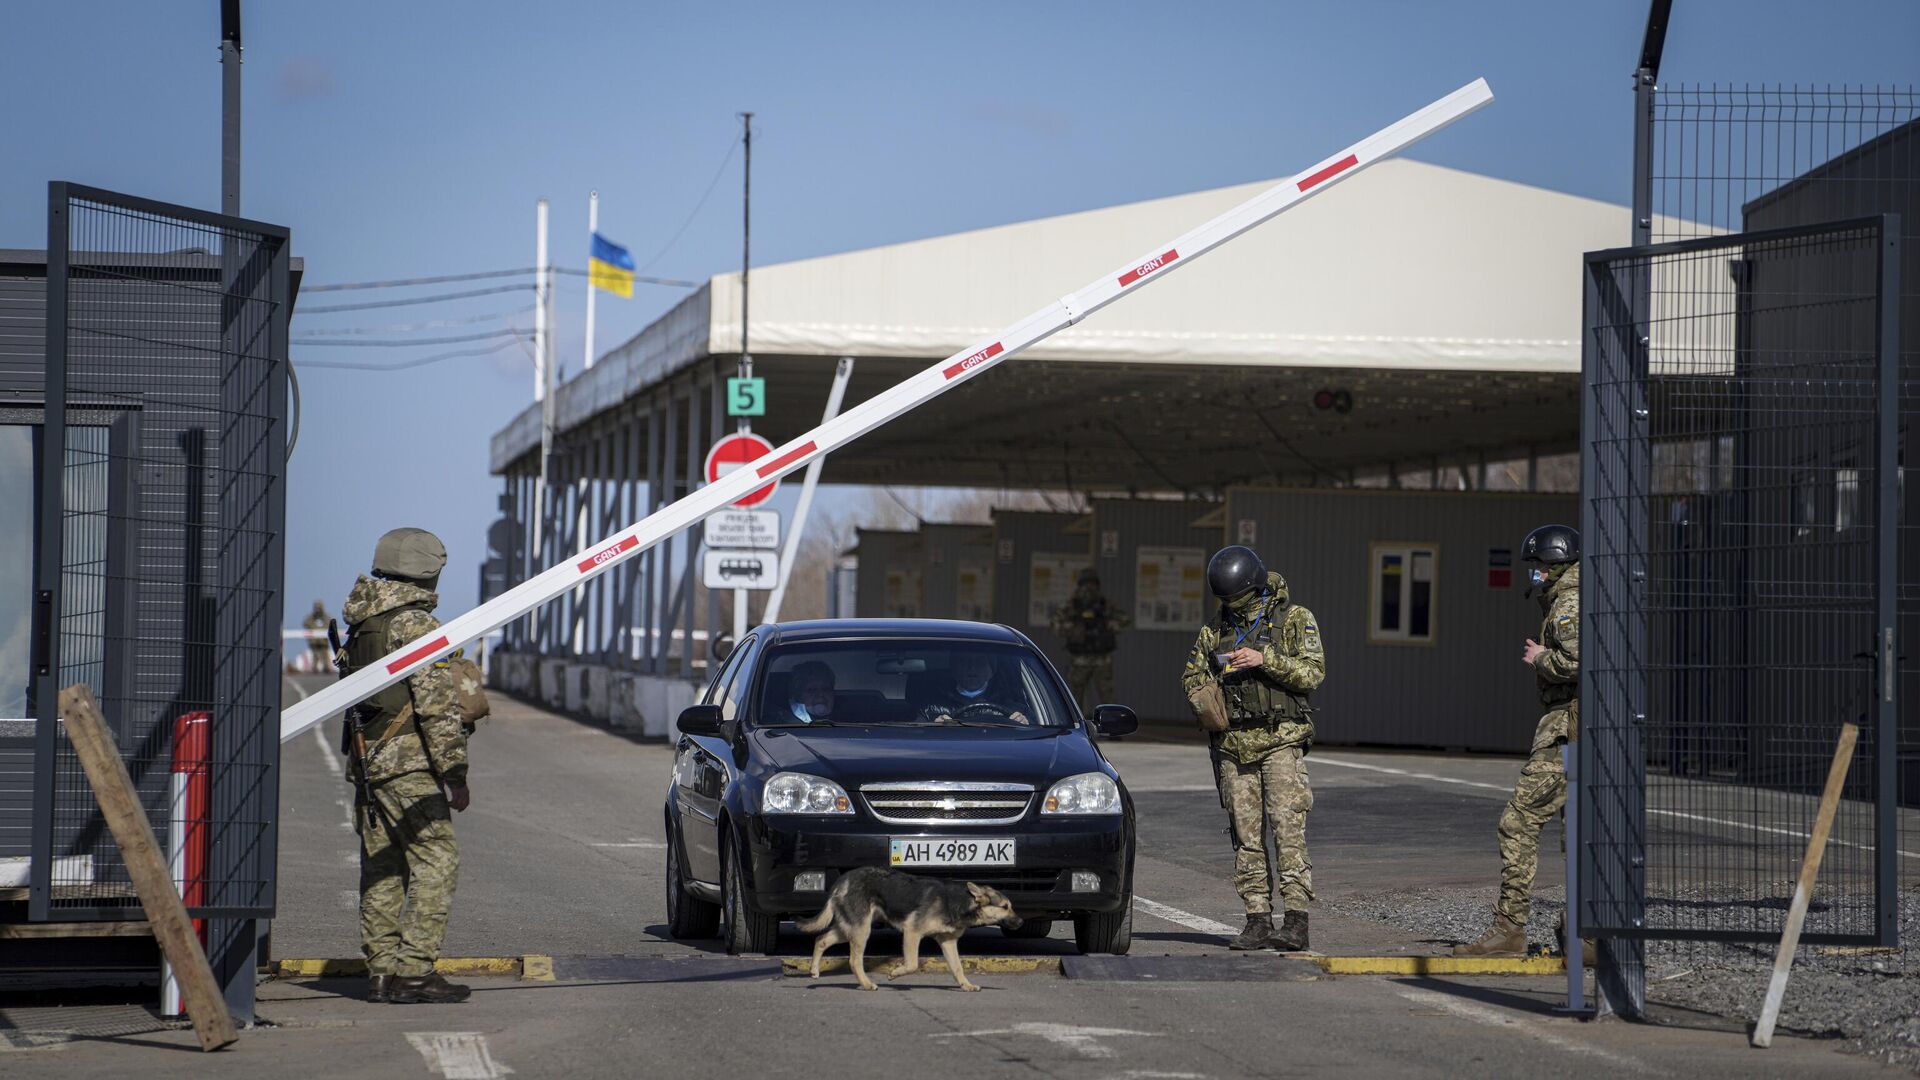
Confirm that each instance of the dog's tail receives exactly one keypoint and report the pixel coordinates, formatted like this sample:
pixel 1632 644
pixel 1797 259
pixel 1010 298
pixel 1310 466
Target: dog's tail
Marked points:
pixel 818 922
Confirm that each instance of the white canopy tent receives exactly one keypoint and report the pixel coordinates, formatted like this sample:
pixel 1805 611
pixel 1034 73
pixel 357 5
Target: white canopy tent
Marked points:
pixel 1446 303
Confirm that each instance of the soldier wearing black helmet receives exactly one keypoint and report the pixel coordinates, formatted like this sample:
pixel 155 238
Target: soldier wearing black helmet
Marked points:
pixel 408 750
pixel 1263 651
pixel 1552 555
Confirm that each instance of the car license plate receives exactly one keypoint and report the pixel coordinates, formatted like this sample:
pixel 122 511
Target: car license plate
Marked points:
pixel 951 851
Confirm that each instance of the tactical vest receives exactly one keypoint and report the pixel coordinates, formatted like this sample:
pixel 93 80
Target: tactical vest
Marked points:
pixel 1254 699
pixel 1091 631
pixel 366 644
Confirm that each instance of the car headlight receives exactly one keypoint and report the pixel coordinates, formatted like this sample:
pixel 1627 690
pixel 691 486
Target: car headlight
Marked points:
pixel 798 793
pixel 1088 793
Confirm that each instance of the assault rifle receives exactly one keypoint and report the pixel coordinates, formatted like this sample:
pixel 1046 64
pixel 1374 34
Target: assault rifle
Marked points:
pixel 353 737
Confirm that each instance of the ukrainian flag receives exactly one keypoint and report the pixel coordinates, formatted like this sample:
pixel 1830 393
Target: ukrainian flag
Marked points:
pixel 610 267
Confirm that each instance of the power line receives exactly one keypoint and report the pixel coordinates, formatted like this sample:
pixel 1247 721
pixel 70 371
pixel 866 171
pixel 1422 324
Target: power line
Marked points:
pixel 404 342
pixel 401 328
pixel 347 365
pixel 732 146
pixel 400 282
pixel 434 299
pixel 638 279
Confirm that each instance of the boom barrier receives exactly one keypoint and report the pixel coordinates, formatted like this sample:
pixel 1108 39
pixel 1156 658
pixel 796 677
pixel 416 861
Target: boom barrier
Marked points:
pixel 905 396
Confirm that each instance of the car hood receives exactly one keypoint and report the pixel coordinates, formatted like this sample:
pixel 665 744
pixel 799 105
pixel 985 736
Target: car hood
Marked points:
pixel 855 756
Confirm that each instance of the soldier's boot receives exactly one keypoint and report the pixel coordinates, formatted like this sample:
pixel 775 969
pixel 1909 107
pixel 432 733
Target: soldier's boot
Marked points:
pixel 1505 938
pixel 1560 942
pixel 1292 935
pixel 425 990
pixel 1257 935
pixel 377 988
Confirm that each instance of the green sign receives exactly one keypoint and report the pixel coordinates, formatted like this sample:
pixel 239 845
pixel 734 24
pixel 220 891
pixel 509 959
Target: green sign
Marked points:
pixel 747 397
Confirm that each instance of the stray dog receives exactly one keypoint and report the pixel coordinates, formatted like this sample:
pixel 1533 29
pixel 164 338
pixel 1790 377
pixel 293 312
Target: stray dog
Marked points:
pixel 917 907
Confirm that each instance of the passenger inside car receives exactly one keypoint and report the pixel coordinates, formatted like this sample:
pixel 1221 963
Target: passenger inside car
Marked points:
pixel 809 694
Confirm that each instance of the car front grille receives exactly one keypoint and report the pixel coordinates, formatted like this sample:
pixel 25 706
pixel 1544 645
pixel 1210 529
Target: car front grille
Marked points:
pixel 948 802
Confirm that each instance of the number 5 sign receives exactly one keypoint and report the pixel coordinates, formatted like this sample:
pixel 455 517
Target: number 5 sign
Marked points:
pixel 747 397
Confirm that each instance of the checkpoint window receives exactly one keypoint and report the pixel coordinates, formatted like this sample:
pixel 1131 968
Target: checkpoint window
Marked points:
pixel 1403 593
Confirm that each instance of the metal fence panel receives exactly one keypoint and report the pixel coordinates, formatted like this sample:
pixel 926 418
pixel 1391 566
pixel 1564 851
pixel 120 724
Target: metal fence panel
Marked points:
pixel 1738 581
pixel 163 510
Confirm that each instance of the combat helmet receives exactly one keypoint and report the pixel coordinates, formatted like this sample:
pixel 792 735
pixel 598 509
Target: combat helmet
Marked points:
pixel 1234 570
pixel 410 554
pixel 1552 545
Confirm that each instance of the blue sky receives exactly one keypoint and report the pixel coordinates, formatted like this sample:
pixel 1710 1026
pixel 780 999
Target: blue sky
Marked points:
pixel 401 139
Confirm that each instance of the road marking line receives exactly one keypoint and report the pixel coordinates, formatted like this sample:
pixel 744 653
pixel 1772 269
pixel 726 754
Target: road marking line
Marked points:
pixel 1321 759
pixel 1169 788
pixel 633 843
pixel 1082 1040
pixel 457 1055
pixel 1482 1014
pixel 1184 918
pixel 1777 832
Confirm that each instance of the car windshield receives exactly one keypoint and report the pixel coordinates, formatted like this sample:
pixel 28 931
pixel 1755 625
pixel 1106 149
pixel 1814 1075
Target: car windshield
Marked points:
pixel 908 684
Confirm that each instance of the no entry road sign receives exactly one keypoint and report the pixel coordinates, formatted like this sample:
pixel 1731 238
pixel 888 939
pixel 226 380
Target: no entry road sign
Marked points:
pixel 734 451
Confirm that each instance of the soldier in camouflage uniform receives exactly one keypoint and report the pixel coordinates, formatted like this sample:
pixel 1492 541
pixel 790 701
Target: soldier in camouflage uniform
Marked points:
pixel 413 775
pixel 1554 551
pixel 317 653
pixel 1088 624
pixel 1273 660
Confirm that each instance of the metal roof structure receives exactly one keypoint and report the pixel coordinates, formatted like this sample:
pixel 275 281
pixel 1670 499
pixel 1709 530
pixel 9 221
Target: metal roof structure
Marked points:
pixel 1447 304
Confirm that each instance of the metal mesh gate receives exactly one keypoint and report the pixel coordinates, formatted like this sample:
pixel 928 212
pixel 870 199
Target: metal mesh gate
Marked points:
pixel 1737 594
pixel 161 553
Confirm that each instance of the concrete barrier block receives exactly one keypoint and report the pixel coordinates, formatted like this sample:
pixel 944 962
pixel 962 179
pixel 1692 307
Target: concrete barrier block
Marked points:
pixel 553 682
pixel 599 703
pixel 623 701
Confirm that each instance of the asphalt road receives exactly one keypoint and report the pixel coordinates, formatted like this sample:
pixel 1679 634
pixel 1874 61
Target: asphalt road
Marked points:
pixel 562 856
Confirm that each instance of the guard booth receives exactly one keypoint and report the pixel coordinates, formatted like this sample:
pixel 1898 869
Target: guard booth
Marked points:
pixel 143 447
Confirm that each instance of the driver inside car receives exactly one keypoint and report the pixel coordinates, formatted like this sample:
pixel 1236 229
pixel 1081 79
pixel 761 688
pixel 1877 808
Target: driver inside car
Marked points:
pixel 972 695
pixel 810 692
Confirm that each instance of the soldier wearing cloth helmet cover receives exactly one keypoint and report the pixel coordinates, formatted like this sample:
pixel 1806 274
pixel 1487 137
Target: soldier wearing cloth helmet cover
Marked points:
pixel 1554 554
pixel 1265 654
pixel 413 773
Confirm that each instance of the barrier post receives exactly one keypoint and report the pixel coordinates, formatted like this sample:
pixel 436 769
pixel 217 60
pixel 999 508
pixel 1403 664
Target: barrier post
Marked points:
pixel 187 835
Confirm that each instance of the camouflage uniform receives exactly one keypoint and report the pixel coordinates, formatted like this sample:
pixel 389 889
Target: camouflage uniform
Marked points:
pixel 409 861
pixel 1260 762
pixel 1542 788
pixel 1088 624
pixel 319 655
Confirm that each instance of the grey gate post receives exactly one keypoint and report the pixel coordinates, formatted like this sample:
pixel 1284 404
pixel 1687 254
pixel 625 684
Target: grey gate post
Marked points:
pixel 1887 525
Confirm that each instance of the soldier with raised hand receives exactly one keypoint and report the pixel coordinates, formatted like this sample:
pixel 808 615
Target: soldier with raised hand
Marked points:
pixel 1554 552
pixel 1089 625
pixel 1265 653
pixel 410 760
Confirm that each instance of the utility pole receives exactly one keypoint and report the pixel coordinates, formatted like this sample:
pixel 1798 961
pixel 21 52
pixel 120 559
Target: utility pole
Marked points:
pixel 230 107
pixel 745 370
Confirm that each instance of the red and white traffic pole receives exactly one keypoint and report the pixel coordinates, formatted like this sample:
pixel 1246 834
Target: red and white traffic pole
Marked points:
pixel 187 833
pixel 909 394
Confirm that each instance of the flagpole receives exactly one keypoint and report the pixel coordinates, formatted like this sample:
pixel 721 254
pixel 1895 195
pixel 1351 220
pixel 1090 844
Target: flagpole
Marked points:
pixel 593 227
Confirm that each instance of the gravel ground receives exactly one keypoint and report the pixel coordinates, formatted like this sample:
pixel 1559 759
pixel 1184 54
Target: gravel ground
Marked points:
pixel 1870 1000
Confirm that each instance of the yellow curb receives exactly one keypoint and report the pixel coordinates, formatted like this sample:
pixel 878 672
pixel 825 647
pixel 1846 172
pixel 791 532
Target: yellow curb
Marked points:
pixel 1000 965
pixel 536 967
pixel 1442 965
pixel 468 965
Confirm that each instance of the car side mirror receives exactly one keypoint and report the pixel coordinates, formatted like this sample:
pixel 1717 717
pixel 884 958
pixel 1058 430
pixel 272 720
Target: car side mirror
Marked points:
pixel 700 720
pixel 1115 720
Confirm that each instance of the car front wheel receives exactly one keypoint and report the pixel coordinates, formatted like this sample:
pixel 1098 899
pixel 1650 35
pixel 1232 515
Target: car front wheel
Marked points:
pixel 1105 932
pixel 742 928
pixel 688 916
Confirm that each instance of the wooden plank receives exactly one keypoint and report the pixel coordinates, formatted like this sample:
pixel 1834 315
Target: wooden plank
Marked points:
pixel 120 804
pixel 16 931
pixel 1803 889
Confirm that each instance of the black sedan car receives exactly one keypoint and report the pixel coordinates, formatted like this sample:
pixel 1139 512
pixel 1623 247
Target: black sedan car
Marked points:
pixel 945 749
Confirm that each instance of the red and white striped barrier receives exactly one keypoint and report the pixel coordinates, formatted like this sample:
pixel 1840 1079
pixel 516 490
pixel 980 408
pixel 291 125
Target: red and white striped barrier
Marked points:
pixel 187 833
pixel 870 414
